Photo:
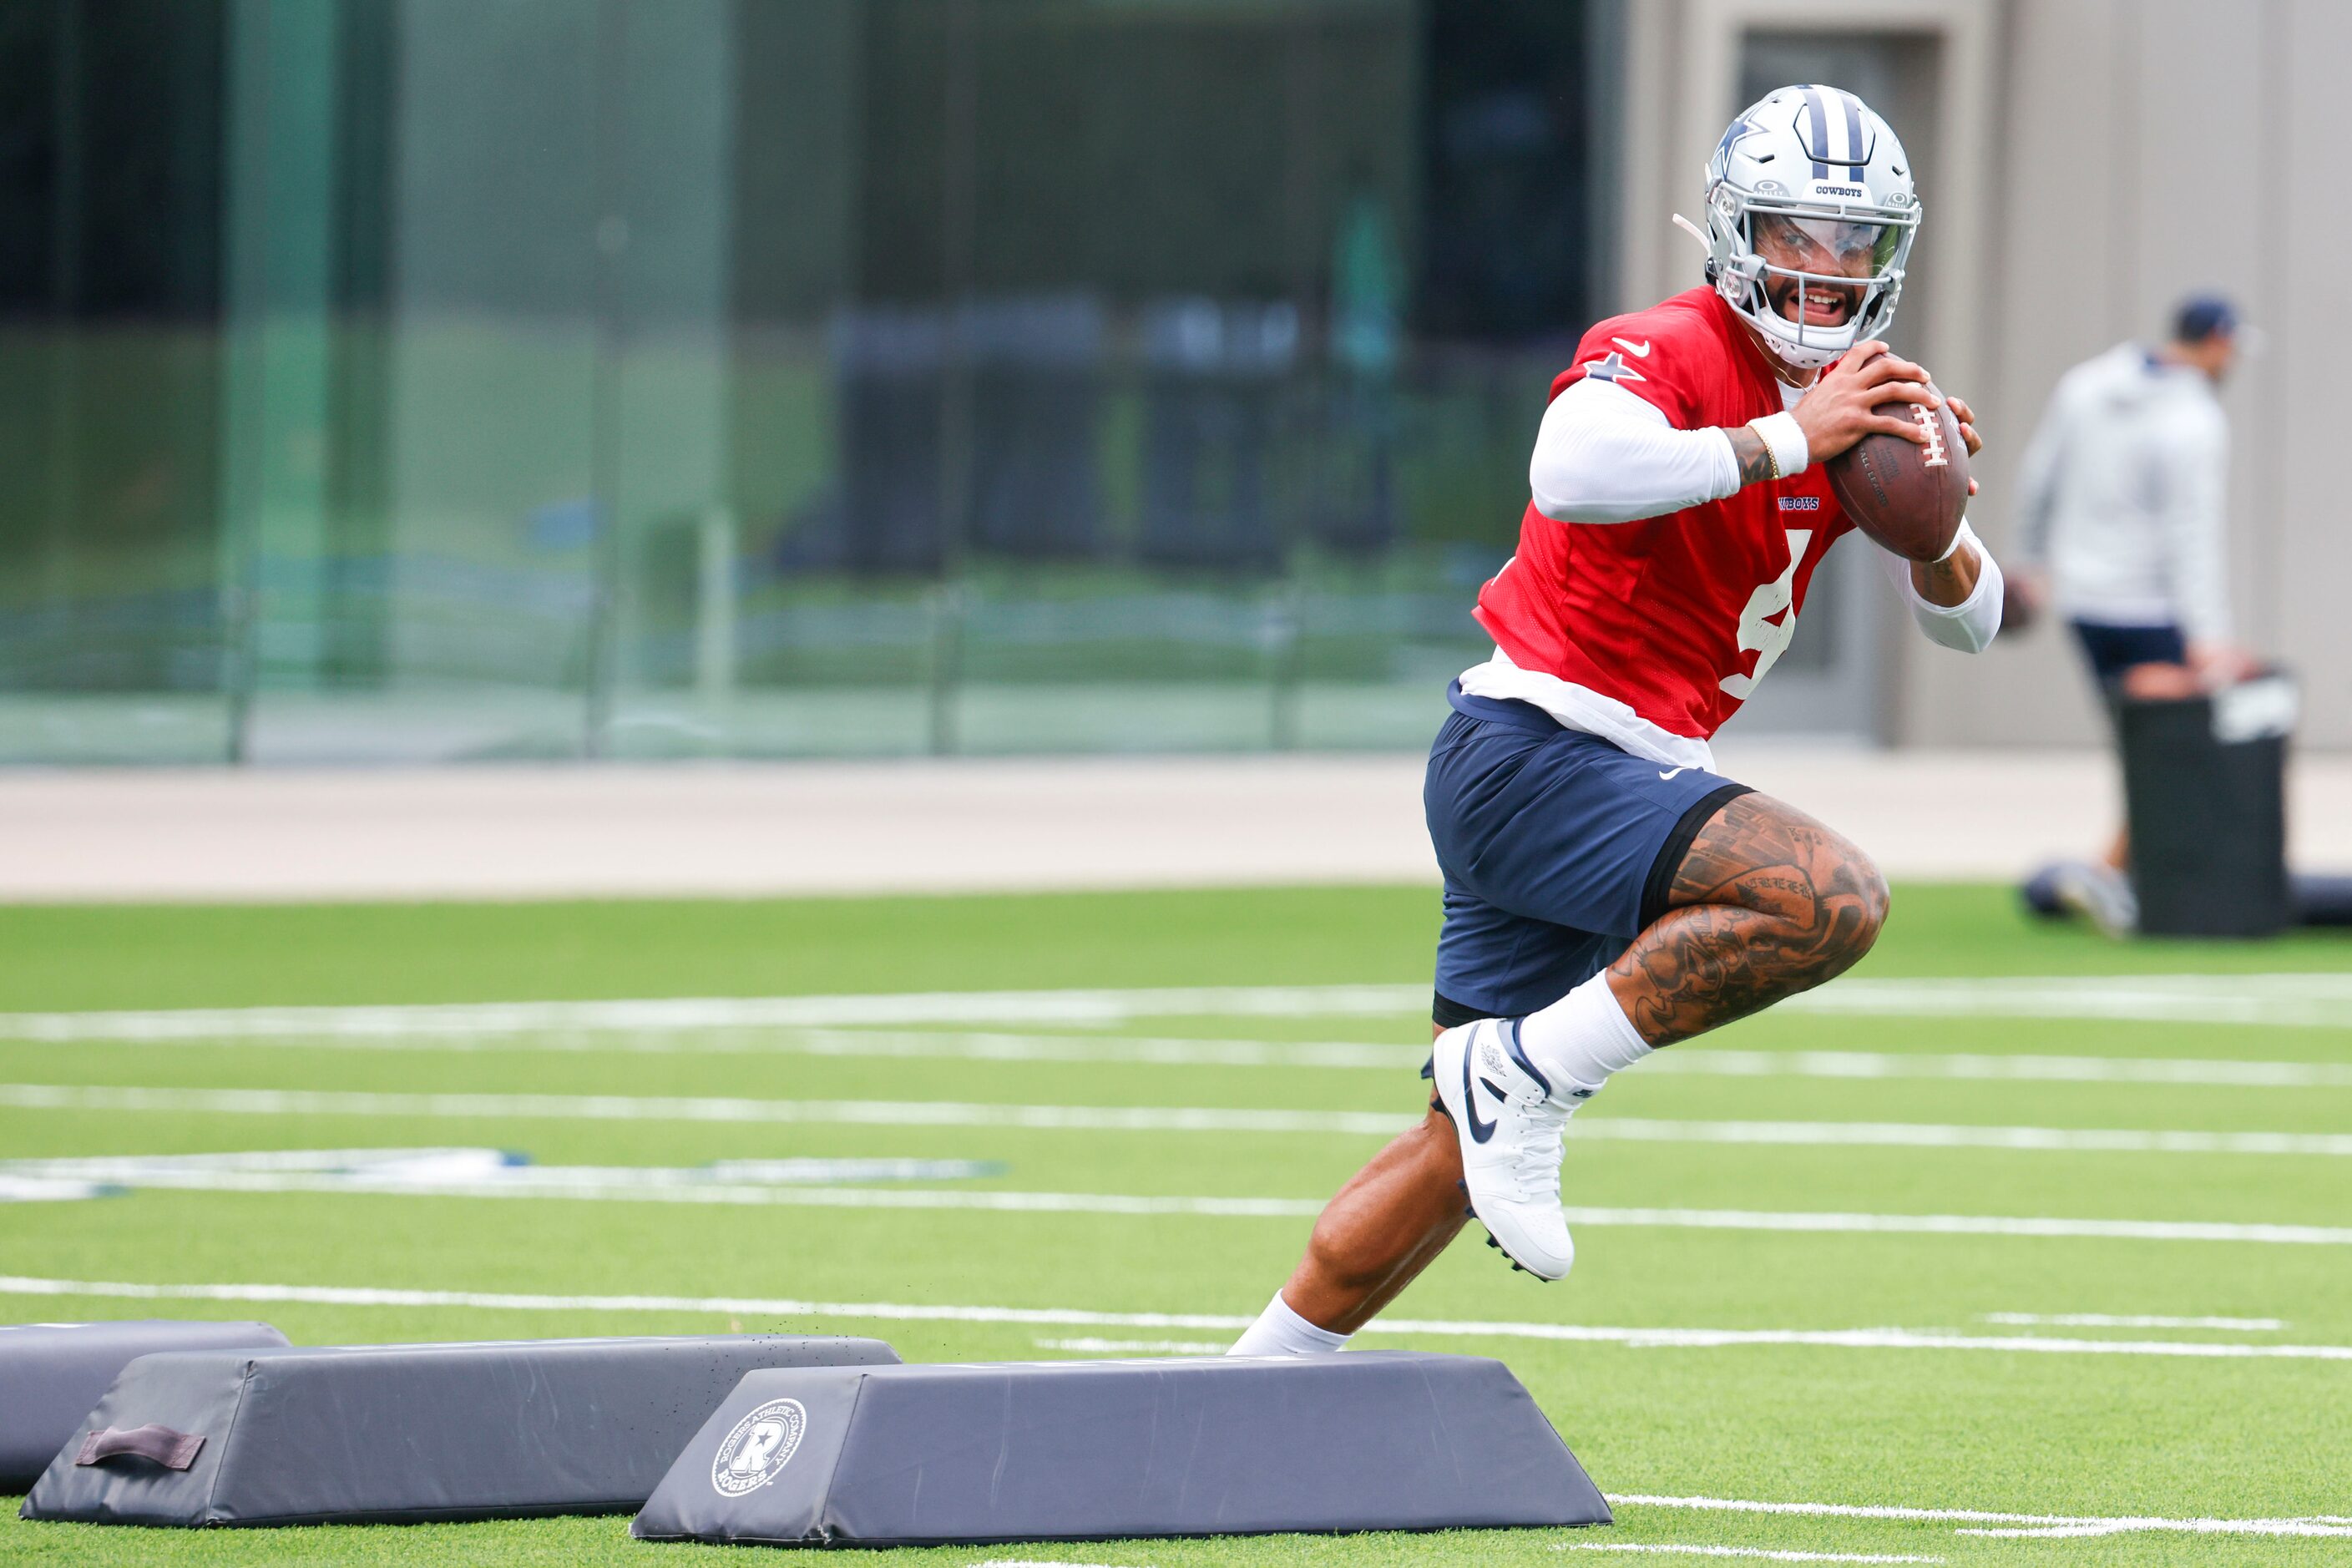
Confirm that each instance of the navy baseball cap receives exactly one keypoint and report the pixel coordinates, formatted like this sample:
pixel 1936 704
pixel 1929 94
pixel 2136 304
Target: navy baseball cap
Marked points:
pixel 2203 316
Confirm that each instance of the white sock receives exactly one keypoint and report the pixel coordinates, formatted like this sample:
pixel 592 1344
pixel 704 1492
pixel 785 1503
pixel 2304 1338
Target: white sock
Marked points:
pixel 1281 1331
pixel 1580 1039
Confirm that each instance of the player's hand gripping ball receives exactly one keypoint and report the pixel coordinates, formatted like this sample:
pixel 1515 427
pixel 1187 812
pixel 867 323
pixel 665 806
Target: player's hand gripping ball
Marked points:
pixel 1907 494
pixel 1894 450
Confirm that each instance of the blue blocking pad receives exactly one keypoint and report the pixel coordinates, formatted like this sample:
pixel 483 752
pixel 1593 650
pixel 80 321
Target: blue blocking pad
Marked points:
pixel 360 1433
pixel 51 1374
pixel 908 1456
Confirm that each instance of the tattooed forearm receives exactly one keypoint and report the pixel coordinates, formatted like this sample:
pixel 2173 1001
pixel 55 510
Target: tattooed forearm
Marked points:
pixel 1755 457
pixel 1767 903
pixel 1950 581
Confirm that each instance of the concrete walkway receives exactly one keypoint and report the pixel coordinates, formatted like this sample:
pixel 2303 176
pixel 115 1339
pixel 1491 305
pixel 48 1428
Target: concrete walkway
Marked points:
pixel 506 832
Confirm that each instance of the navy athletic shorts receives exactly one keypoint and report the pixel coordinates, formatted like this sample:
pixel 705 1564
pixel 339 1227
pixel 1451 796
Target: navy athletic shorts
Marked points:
pixel 1559 848
pixel 2114 650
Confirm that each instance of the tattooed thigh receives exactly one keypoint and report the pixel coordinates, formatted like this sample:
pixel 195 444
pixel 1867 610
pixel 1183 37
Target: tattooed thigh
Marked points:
pixel 1767 902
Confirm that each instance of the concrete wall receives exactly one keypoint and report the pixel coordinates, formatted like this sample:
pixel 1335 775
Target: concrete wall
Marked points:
pixel 2093 160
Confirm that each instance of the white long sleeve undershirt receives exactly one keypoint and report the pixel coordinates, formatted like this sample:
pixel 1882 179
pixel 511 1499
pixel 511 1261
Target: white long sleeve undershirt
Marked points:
pixel 1968 626
pixel 1606 455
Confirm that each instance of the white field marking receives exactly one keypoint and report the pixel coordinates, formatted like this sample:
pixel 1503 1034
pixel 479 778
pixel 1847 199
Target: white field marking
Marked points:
pixel 1134 1119
pixel 798 1170
pixel 633 1183
pixel 2320 1000
pixel 26 1189
pixel 629 1183
pixel 404 1170
pixel 633 1107
pixel 670 1014
pixel 1348 1055
pixel 1711 1061
pixel 1966 1224
pixel 409 1165
pixel 2316 1525
pixel 2323 1000
pixel 2131 1526
pixel 1092 1346
pixel 1933 1135
pixel 2131 1320
pixel 896 1311
pixel 1755 1551
pixel 868 1043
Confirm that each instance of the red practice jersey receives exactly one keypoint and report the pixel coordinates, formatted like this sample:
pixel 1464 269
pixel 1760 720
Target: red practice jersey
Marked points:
pixel 1677 617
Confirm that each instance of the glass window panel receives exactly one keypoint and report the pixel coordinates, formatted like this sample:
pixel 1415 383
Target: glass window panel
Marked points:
pixel 112 633
pixel 588 376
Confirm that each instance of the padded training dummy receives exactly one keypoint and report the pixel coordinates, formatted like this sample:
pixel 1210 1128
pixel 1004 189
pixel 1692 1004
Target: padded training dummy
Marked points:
pixel 1088 1450
pixel 403 1433
pixel 51 1374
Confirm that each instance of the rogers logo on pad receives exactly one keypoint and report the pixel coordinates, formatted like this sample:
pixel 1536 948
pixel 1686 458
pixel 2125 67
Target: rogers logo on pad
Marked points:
pixel 761 1444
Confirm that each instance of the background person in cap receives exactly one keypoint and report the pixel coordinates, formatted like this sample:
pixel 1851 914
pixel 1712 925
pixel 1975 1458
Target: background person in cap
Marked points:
pixel 2123 533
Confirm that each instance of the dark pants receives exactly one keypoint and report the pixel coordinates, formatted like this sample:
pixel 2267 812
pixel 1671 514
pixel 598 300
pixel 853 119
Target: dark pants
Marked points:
pixel 2114 650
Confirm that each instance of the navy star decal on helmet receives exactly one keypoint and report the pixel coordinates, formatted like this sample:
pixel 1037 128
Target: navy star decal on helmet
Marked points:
pixel 1818 155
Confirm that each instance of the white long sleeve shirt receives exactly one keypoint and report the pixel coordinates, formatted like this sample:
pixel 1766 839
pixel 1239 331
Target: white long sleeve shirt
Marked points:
pixel 2122 495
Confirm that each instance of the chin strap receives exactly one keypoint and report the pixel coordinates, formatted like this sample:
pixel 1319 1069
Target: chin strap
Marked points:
pixel 1705 244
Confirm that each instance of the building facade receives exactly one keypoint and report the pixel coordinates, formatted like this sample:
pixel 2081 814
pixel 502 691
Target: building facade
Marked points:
pixel 417 379
pixel 2085 163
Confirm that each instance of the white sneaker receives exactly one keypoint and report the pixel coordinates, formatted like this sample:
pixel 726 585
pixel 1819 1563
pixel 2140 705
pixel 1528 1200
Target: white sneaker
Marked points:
pixel 2101 894
pixel 1512 1148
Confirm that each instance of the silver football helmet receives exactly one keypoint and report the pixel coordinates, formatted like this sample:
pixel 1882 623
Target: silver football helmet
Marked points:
pixel 1810 218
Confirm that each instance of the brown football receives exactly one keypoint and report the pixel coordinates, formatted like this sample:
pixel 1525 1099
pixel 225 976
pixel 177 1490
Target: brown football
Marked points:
pixel 1907 497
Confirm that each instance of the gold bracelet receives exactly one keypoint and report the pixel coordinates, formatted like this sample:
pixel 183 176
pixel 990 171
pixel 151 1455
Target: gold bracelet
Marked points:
pixel 1771 456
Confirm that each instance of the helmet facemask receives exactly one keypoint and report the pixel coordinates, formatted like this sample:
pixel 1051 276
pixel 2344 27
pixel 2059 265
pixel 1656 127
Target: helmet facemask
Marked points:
pixel 1814 281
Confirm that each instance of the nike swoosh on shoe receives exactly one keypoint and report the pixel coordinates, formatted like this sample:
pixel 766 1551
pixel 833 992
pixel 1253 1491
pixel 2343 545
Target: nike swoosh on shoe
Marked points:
pixel 1480 1131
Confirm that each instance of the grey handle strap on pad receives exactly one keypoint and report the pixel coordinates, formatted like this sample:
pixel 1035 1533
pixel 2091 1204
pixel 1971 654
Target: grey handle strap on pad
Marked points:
pixel 172 1450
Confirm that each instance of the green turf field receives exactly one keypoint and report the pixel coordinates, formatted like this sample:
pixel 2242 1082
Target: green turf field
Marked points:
pixel 2191 1366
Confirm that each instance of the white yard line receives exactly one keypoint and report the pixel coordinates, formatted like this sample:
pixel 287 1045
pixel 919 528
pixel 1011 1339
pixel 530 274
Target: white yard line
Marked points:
pixel 491 1018
pixel 893 1311
pixel 1759 1553
pixel 2311 1000
pixel 15 1189
pixel 2131 1320
pixel 1934 1136
pixel 1694 1060
pixel 794 1040
pixel 612 1184
pixel 721 1109
pixel 402 1170
pixel 2067 1523
pixel 2320 999
pixel 722 1185
pixel 1091 1345
pixel 1966 1224
pixel 1711 1061
pixel 1133 1119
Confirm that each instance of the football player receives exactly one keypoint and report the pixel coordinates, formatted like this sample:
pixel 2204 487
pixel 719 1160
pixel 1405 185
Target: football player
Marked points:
pixel 1607 892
